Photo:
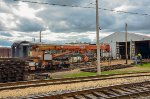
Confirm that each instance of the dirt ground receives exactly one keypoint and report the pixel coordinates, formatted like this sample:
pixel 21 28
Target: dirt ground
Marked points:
pixel 114 62
pixel 60 74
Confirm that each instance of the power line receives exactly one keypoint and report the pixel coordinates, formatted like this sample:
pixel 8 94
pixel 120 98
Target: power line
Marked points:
pixel 64 5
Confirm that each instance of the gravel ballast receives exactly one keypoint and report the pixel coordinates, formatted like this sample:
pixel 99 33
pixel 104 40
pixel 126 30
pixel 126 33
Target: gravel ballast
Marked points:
pixel 70 87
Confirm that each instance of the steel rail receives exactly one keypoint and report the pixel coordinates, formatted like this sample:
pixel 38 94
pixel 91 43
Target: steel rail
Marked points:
pixel 27 84
pixel 65 79
pixel 112 92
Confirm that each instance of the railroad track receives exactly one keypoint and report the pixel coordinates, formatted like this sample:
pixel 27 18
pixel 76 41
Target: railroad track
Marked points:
pixel 37 83
pixel 126 91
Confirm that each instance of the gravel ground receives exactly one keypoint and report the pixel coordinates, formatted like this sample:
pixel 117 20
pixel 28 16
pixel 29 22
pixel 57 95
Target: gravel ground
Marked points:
pixel 69 87
pixel 114 62
pixel 61 74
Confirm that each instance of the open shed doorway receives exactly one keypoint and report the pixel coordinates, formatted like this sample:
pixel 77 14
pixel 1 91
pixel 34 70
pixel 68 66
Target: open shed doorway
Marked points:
pixel 143 47
pixel 25 51
pixel 122 50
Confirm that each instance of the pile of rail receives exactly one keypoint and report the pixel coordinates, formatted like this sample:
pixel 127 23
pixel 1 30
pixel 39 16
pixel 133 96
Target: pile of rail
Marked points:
pixel 12 69
pixel 106 68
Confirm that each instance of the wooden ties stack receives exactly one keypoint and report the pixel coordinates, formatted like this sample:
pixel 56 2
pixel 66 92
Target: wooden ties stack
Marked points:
pixel 12 69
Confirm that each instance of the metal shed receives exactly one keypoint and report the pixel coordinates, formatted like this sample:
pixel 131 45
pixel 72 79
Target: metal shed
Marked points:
pixel 137 43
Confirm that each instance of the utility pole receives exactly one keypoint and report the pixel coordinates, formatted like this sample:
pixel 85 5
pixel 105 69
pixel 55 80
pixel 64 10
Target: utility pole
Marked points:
pixel 34 39
pixel 126 43
pixel 98 43
pixel 40 36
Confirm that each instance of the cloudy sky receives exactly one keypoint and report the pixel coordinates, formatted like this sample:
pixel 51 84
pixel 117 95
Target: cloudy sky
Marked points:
pixel 23 21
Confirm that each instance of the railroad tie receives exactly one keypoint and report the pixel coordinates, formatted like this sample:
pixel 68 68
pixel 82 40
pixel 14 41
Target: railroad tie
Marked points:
pixel 128 90
pixel 112 93
pixel 101 94
pixel 97 94
pixel 90 96
pixel 121 92
pixel 78 97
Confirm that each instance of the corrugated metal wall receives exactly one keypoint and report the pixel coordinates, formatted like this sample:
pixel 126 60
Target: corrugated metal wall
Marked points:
pixel 5 52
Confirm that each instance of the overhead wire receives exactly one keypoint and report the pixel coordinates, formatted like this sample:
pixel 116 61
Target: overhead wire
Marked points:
pixel 64 5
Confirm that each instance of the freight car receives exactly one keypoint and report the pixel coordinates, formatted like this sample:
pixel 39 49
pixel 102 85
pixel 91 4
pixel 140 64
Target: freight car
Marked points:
pixel 5 52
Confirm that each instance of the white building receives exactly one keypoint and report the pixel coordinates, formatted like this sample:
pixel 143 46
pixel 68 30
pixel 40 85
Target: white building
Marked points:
pixel 137 43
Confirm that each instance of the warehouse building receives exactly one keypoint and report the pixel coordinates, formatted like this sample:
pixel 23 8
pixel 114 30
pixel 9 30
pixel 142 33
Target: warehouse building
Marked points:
pixel 136 43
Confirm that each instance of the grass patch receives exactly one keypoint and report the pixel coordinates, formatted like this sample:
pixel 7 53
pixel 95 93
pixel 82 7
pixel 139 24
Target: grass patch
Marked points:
pixel 144 65
pixel 81 74
pixel 135 69
pixel 85 74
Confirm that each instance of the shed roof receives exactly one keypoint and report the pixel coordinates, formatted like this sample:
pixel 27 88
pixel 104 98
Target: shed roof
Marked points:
pixel 120 37
pixel 19 42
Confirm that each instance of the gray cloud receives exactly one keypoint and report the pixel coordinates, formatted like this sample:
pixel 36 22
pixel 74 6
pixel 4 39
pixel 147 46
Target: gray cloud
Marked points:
pixel 67 19
pixel 5 43
pixel 60 19
pixel 6 34
pixel 2 26
pixel 135 22
pixel 29 25
pixel 9 1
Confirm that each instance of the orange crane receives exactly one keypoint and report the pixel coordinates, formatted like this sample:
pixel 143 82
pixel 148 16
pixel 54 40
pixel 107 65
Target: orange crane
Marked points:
pixel 47 55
